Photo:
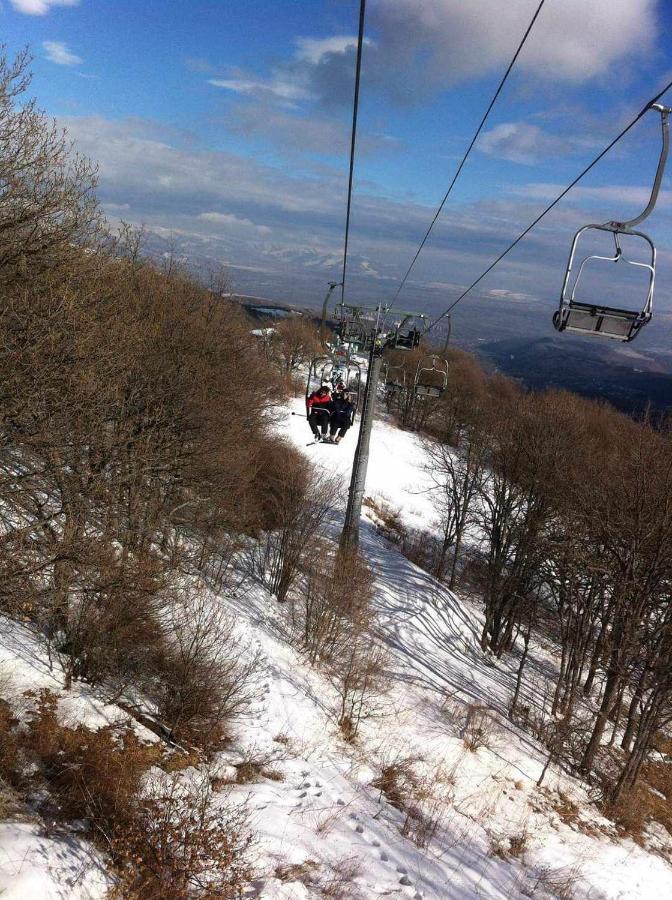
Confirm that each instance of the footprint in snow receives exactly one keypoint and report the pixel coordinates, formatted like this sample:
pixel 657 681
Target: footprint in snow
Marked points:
pixel 401 870
pixel 375 843
pixel 405 880
pixel 384 857
pixel 359 829
pixel 340 802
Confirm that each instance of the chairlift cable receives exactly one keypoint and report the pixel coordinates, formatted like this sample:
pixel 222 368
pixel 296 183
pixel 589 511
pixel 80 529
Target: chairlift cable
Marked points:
pixel 550 206
pixel 353 138
pixel 469 149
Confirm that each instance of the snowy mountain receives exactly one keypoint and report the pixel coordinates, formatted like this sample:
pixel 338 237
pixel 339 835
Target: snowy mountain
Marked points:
pixel 436 798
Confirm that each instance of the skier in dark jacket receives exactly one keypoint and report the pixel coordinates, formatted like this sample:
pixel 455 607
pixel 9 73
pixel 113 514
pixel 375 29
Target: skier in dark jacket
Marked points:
pixel 342 414
pixel 318 410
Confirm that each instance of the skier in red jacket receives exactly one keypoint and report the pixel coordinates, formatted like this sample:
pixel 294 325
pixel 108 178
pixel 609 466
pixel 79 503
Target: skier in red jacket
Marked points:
pixel 318 410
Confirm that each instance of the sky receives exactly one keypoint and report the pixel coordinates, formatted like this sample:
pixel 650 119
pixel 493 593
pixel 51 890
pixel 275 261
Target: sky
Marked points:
pixel 223 128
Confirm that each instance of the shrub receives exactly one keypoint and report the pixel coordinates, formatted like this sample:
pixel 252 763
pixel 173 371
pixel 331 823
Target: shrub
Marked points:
pixel 419 798
pixel 180 844
pixel 93 775
pixel 111 629
pixel 208 678
pixel 9 746
pixel 358 674
pixel 167 840
pixel 478 729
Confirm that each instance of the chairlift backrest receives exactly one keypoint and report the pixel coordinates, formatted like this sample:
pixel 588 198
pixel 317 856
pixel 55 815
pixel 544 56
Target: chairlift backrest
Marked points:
pixel 395 378
pixel 431 377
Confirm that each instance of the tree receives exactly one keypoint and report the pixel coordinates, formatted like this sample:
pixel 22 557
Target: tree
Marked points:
pixel 47 199
pixel 457 476
pixel 295 341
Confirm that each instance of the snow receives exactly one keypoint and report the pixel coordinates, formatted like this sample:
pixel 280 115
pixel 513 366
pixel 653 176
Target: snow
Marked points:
pixel 315 811
pixel 33 865
pixel 395 474
pixel 25 666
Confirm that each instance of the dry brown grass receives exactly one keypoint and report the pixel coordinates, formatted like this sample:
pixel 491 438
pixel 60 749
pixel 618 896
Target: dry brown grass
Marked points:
pixel 260 763
pixel 178 846
pixel 663 744
pixel 419 798
pixel 479 729
pixel 9 745
pixel 648 801
pixel 390 524
pixel 93 775
pixel 166 840
pixel 565 807
pixel 561 883
pixel 178 760
pixel 332 879
pixel 512 846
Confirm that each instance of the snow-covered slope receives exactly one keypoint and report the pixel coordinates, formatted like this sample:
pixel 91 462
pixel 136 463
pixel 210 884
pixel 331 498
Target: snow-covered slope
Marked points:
pixel 321 824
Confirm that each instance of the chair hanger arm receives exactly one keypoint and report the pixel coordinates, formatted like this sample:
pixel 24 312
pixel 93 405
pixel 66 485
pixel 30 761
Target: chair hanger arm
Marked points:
pixel 664 114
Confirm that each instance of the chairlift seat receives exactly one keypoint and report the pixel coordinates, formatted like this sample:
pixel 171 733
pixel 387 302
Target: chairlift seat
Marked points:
pixel 428 390
pixel 600 321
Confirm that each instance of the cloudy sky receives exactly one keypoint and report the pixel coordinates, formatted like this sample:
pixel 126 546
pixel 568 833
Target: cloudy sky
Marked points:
pixel 224 127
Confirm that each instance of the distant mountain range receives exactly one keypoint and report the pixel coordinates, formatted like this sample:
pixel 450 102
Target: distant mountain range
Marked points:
pixel 511 335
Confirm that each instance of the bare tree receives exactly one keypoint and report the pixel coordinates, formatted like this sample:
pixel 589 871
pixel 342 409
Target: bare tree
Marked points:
pixel 47 199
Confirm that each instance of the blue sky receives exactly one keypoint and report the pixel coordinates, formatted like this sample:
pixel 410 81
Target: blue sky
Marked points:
pixel 224 126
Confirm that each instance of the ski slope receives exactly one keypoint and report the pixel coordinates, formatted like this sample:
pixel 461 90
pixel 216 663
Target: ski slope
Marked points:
pixel 321 826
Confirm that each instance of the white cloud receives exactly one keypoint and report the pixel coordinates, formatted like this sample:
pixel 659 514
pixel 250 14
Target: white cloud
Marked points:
pixel 571 41
pixel 423 46
pixel 283 88
pixel 521 143
pixel 315 49
pixel 229 220
pixel 298 78
pixel 323 135
pixel 628 195
pixel 59 53
pixel 220 204
pixel 40 7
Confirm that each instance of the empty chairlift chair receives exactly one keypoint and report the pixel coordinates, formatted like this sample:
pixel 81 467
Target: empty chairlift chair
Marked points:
pixel 591 316
pixel 395 379
pixel 431 377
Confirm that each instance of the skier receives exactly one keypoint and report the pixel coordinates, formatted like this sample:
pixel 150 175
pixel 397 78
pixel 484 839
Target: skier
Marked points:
pixel 318 410
pixel 342 414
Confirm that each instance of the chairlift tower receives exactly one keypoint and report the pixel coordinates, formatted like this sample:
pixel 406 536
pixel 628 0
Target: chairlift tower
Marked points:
pixel 379 340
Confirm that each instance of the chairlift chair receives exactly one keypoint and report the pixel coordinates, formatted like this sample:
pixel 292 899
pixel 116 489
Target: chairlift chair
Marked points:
pixel 407 333
pixel 431 377
pixel 394 379
pixel 585 316
pixel 333 371
pixel 319 373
